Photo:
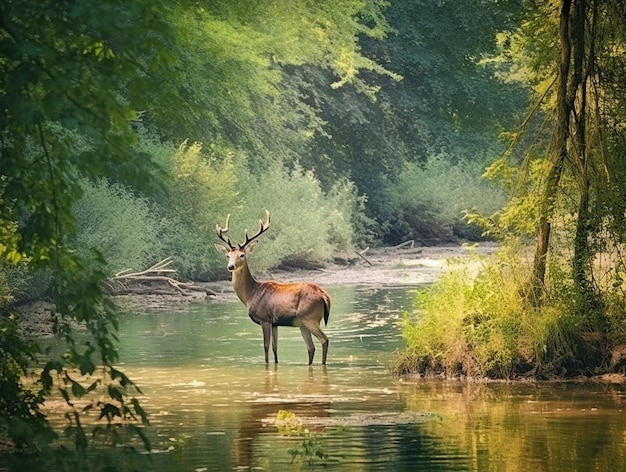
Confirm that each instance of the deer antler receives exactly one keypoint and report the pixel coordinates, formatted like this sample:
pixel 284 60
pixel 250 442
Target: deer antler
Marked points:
pixel 263 227
pixel 221 231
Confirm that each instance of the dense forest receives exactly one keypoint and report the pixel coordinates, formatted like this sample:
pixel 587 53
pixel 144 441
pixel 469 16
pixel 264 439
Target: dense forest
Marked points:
pixel 129 130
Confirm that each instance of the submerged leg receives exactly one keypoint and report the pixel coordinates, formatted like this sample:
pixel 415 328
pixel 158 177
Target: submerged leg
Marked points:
pixel 310 347
pixel 267 334
pixel 275 343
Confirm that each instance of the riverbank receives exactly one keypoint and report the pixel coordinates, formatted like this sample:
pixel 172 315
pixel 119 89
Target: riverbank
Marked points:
pixel 379 267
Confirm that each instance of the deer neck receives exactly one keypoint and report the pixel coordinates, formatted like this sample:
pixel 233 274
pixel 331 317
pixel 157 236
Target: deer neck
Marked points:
pixel 244 283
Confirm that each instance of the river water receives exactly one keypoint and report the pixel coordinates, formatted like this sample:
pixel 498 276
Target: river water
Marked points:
pixel 213 402
pixel 214 405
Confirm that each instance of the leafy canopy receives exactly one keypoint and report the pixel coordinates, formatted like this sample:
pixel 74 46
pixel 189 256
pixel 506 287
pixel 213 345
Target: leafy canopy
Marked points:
pixel 70 74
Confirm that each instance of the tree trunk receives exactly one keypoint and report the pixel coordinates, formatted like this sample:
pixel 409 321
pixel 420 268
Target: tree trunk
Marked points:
pixel 561 135
pixel 583 253
pixel 582 256
pixel 570 145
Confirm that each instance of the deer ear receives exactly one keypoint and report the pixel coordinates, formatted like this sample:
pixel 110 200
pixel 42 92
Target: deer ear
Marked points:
pixel 250 247
pixel 220 248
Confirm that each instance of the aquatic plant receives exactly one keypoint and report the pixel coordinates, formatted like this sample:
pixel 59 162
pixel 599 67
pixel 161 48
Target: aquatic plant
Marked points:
pixel 289 424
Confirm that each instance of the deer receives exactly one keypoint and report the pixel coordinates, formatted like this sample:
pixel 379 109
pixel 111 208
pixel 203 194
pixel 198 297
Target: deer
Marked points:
pixel 272 304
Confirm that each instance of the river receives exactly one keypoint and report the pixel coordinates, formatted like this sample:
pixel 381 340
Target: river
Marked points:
pixel 213 402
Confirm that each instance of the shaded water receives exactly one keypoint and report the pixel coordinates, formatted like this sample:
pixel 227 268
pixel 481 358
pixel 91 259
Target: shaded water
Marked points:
pixel 212 400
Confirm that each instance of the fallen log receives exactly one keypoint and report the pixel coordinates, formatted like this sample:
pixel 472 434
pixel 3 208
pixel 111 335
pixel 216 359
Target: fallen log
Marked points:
pixel 362 255
pixel 151 281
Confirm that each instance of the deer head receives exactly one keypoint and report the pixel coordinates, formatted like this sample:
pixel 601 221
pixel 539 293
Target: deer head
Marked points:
pixel 237 254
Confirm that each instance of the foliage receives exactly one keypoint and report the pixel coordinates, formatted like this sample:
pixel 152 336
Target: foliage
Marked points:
pixel 516 221
pixel 201 190
pixel 474 322
pixel 69 76
pixel 117 225
pixel 350 90
pixel 307 224
pixel 567 191
pixel 569 52
pixel 22 418
pixel 206 184
pixel 465 325
pixel 450 102
pixel 6 294
pixel 429 201
pixel 232 55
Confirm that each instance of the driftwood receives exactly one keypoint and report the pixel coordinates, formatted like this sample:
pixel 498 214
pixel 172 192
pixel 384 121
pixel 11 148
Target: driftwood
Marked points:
pixel 406 244
pixel 151 281
pixel 362 255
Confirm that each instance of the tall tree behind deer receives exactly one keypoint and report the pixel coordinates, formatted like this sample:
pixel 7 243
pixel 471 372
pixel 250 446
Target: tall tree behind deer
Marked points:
pixel 272 304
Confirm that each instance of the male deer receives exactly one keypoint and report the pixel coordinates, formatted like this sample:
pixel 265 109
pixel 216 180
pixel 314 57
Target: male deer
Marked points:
pixel 272 304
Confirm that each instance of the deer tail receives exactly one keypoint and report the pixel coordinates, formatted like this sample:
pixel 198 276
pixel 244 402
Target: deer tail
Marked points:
pixel 326 309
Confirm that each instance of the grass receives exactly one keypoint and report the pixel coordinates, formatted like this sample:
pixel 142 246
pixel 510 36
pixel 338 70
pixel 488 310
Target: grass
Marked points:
pixel 474 322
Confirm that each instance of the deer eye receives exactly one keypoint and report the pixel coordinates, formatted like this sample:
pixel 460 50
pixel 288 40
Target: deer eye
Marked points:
pixel 242 255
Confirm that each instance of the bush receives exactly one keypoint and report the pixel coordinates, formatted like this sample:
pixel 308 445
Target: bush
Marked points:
pixel 200 191
pixel 6 292
pixel 428 201
pixel 118 225
pixel 307 225
pixel 474 322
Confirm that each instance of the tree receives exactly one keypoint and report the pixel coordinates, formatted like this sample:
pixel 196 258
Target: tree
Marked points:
pixel 232 58
pixel 562 313
pixel 77 82
pixel 445 99
pixel 584 174
pixel 70 73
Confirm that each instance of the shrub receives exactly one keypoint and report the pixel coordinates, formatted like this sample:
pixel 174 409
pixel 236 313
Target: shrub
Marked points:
pixel 200 191
pixel 206 184
pixel 6 293
pixel 429 201
pixel 118 225
pixel 307 225
pixel 474 321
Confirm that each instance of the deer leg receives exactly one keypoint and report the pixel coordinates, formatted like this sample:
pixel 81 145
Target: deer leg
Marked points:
pixel 306 335
pixel 267 334
pixel 323 339
pixel 275 343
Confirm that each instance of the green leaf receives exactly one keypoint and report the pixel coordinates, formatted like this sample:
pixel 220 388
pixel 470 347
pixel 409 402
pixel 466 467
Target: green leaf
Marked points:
pixel 109 411
pixel 115 393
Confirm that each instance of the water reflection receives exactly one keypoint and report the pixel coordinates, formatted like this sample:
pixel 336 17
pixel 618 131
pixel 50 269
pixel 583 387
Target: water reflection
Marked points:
pixel 515 427
pixel 311 399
